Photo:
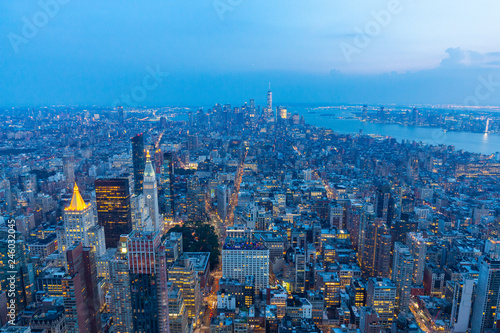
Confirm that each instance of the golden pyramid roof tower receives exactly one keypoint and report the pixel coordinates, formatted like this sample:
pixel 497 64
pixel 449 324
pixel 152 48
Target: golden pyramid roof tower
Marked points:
pixel 77 203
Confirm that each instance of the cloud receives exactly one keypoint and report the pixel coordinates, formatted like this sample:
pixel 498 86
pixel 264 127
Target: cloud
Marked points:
pixel 465 58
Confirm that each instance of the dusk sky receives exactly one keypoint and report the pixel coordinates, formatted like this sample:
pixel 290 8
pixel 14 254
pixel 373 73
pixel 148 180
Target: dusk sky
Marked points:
pixel 92 52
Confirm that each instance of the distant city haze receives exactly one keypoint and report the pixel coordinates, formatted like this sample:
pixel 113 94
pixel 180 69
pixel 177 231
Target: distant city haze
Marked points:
pixel 376 52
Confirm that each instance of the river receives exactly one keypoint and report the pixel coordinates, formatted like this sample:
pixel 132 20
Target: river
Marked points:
pixel 473 142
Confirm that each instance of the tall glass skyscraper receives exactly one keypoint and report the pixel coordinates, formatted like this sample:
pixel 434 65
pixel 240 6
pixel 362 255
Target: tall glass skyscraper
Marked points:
pixel 113 208
pixel 138 161
pixel 167 184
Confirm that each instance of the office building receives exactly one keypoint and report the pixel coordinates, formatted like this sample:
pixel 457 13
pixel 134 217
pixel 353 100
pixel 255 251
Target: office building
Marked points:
pixel 138 161
pixel 167 185
pixel 177 311
pixel 113 208
pixel 381 297
pixel 148 281
pixel 80 290
pixel 120 291
pixel 150 192
pixel 240 258
pixel 384 204
pixel 80 226
pixel 20 269
pixel 183 275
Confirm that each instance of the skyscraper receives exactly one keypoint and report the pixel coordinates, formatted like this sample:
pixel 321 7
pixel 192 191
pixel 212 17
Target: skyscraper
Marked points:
pixel 463 298
pixel 402 275
pixel 418 248
pixel 148 282
pixel 120 114
pixel 270 98
pixel 384 204
pixel 151 193
pixel 222 201
pixel 121 301
pixel 80 293
pixel 23 288
pixel 177 311
pixel 69 168
pixel 484 315
pixel 375 248
pixel 167 184
pixel 138 162
pixel 113 208
pixel 300 270
pixel 195 200
pixel 78 223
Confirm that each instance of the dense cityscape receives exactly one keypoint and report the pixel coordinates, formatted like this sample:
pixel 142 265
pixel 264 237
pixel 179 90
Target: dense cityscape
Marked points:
pixel 241 219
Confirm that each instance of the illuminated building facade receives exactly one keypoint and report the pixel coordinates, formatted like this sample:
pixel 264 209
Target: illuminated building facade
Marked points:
pixel 183 275
pixel 113 208
pixel 23 286
pixel 148 282
pixel 402 275
pixel 381 297
pixel 79 224
pixel 80 292
pixel 240 259
pixel 375 249
pixel 177 312
pixel 119 278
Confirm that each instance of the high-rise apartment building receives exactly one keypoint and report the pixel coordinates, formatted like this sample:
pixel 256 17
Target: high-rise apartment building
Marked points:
pixel 375 248
pixel 69 168
pixel 402 275
pixel 463 299
pixel 418 248
pixel 300 270
pixel 195 200
pixel 484 315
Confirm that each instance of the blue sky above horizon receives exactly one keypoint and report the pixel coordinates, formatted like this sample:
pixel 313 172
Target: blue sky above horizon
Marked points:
pixel 91 53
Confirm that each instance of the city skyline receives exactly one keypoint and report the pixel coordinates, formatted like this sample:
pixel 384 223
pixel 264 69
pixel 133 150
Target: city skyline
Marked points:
pixel 232 166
